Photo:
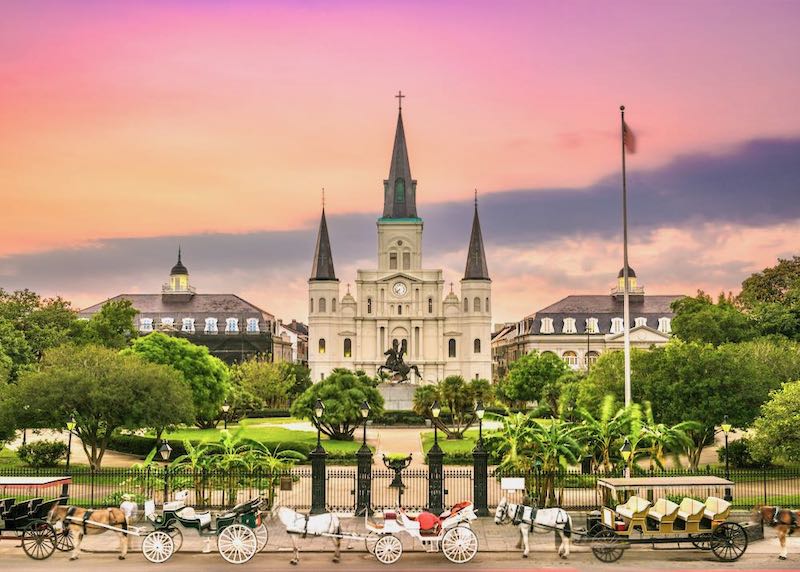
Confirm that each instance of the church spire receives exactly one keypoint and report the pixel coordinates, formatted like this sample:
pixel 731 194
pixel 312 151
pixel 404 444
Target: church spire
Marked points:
pixel 322 268
pixel 400 190
pixel 476 257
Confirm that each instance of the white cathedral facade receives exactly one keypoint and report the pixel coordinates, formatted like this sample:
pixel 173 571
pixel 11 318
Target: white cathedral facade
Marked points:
pixel 400 301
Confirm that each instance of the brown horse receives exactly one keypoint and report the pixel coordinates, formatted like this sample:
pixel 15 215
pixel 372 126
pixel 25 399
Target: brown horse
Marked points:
pixel 81 521
pixel 784 521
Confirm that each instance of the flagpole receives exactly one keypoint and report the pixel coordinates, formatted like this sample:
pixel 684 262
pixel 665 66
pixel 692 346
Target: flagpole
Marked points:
pixel 625 299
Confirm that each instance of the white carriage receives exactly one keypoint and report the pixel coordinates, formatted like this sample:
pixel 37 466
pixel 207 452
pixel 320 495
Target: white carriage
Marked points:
pixel 450 533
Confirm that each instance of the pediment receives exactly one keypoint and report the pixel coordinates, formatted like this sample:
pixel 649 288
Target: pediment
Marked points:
pixel 641 334
pixel 396 275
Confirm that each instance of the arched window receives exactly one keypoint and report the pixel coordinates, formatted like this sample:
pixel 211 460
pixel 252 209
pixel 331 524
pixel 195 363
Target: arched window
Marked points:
pixel 348 348
pixel 392 261
pixel 451 348
pixel 476 304
pixel 571 358
pixel 476 346
pixel 487 304
pixel 369 305
pixel 322 345
pixel 399 190
pixel 466 305
pixel 430 305
pixel 333 305
pixel 591 358
pixel 406 261
pixel 399 309
pixel 322 305
pixel 404 345
pixel 311 304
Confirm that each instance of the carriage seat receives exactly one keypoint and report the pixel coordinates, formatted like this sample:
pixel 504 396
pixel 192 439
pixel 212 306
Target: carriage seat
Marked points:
pixel 455 510
pixel 6 504
pixel 691 510
pixel 407 521
pixel 663 511
pixel 636 507
pixel 189 514
pixel 716 509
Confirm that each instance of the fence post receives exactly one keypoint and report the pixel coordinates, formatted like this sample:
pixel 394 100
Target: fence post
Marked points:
pixel 435 479
pixel 318 478
pixel 364 481
pixel 480 478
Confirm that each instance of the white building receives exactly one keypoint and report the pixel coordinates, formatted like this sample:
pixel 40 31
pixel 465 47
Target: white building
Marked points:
pixel 400 300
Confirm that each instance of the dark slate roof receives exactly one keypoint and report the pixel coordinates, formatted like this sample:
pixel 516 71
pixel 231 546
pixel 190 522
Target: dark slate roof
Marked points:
pixel 322 269
pixel 179 268
pixel 477 268
pixel 400 169
pixel 199 307
pixel 602 307
pixel 631 273
pixel 297 327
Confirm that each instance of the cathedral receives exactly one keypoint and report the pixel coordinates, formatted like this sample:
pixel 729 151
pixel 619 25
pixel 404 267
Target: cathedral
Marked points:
pixel 400 308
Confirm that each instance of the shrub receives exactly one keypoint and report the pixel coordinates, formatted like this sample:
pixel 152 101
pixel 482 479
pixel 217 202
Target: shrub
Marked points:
pixel 41 454
pixel 739 455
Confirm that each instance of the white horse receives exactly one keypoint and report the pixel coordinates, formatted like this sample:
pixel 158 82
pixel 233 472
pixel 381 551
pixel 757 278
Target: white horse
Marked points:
pixel 526 517
pixel 297 523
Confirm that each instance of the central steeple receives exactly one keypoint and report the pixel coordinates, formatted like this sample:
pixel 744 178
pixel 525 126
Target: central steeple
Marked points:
pixel 399 190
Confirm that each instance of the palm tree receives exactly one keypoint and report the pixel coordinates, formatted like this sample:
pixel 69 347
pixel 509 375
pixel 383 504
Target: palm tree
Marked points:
pixel 556 447
pixel 275 463
pixel 604 433
pixel 513 442
pixel 664 438
pixel 196 459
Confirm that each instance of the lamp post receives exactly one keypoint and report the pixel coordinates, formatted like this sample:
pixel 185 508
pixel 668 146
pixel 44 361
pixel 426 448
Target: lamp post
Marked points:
pixel 70 428
pixel 225 409
pixel 626 451
pixel 726 428
pixel 164 452
pixel 364 472
pixel 480 467
pixel 318 456
pixel 25 429
pixel 435 469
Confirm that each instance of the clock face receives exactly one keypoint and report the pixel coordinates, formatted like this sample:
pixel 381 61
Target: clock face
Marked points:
pixel 399 289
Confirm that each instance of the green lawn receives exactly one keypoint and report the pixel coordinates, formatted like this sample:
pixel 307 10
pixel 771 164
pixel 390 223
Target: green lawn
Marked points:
pixel 269 421
pixel 452 446
pixel 9 459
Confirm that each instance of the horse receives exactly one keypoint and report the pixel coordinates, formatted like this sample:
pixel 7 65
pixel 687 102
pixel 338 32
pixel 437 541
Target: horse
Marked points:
pixel 784 521
pixel 82 522
pixel 297 523
pixel 526 517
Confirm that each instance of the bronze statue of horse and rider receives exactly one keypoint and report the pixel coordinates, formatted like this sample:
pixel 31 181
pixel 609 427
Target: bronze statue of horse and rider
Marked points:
pixel 396 364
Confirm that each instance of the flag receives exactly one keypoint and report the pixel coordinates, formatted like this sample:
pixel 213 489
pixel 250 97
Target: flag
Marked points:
pixel 628 139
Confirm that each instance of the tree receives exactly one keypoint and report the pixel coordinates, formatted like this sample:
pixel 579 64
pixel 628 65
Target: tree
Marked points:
pixel 103 390
pixel 342 392
pixel 529 375
pixel 270 383
pixel 698 319
pixel 43 322
pixel 206 375
pixel 664 438
pixel 112 327
pixel 772 297
pixel 15 352
pixel 301 379
pixel 559 396
pixel 457 398
pixel 605 432
pixel 777 431
pixel 555 447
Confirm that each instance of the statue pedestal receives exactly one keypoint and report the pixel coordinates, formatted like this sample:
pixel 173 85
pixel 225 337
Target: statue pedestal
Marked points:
pixel 397 396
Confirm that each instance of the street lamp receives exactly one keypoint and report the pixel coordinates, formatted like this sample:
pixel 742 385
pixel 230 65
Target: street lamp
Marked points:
pixel 365 409
pixel 165 451
pixel 225 409
pixel 479 413
pixel 435 410
pixel 70 427
pixel 726 428
pixel 25 429
pixel 319 411
pixel 626 451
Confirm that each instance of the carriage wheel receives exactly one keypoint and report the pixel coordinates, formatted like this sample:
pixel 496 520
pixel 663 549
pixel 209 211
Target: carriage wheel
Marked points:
pixel 371 540
pixel 64 542
pixel 157 546
pixel 262 537
pixel 729 541
pixel 702 543
pixel 177 538
pixel 237 543
pixel 606 546
pixel 388 549
pixel 459 545
pixel 39 540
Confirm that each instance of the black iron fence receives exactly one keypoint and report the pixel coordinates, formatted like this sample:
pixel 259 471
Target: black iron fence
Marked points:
pixel 219 489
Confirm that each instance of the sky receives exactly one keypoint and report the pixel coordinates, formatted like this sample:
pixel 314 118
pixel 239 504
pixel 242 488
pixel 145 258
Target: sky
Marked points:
pixel 131 127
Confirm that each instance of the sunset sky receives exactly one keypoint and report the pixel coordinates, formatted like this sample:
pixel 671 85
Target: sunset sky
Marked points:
pixel 129 127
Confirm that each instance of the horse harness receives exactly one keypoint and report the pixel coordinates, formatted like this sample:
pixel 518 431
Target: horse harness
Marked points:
pixel 793 518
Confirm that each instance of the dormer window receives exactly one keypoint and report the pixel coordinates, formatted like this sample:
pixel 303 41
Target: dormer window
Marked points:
pixel 591 326
pixel 211 326
pixel 252 325
pixel 641 321
pixel 546 326
pixel 665 325
pixel 616 325
pixel 569 326
pixel 188 325
pixel 146 324
pixel 232 325
pixel 168 322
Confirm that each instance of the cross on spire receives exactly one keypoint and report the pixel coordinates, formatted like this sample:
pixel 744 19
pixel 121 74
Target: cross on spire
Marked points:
pixel 400 97
pixel 476 198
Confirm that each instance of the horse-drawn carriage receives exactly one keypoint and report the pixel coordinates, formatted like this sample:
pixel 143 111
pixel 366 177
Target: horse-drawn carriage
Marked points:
pixel 449 533
pixel 26 520
pixel 664 510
